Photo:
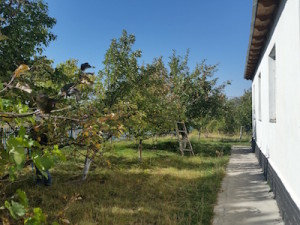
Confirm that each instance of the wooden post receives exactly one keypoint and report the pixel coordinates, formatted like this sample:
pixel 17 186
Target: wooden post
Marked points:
pixel 71 132
pixel 86 169
pixel 140 150
pixel 241 132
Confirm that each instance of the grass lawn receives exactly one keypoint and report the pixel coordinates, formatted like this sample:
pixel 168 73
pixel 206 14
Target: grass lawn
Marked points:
pixel 165 188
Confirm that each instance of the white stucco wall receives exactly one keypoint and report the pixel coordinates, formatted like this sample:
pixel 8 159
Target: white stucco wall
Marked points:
pixel 280 141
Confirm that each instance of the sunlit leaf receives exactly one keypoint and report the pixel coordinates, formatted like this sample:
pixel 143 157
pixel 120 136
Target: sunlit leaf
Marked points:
pixel 37 218
pixel 17 150
pixel 21 69
pixel 15 209
pixel 19 158
pixel 58 153
pixel 98 145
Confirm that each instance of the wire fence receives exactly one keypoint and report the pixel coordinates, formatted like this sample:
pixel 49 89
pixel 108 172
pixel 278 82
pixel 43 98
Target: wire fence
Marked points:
pixel 5 133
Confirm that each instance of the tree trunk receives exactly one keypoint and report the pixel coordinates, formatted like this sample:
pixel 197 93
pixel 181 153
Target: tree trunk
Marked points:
pixel 86 169
pixel 140 150
pixel 206 134
pixel 241 132
pixel 71 133
pixel 1 138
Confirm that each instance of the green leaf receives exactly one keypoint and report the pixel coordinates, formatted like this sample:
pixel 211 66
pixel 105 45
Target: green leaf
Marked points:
pixel 37 219
pixel 23 198
pixel 12 173
pixel 37 211
pixel 43 163
pixel 46 162
pixel 15 209
pixel 22 131
pixel 57 153
pixel 18 208
pixel 8 206
pixel 17 147
pixel 18 153
pixel 31 143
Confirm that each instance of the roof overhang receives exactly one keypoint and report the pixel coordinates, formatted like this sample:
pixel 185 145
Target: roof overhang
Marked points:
pixel 263 13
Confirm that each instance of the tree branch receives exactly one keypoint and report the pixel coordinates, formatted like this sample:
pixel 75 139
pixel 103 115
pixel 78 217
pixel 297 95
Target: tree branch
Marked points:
pixel 26 89
pixel 16 115
pixel 60 117
pixel 36 112
pixel 9 83
pixel 63 109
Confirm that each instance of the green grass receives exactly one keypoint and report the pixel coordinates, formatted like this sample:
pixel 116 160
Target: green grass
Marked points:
pixel 165 188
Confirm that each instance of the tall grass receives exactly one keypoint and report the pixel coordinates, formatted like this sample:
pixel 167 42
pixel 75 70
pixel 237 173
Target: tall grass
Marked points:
pixel 165 188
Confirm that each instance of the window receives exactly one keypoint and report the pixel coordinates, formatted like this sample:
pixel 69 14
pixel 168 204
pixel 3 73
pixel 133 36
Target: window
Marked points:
pixel 259 97
pixel 272 85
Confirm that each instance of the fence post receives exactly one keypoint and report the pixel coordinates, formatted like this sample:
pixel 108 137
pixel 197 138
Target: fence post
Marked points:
pixel 241 132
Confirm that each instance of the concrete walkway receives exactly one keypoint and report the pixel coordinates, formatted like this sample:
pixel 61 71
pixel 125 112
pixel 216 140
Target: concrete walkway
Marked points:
pixel 245 198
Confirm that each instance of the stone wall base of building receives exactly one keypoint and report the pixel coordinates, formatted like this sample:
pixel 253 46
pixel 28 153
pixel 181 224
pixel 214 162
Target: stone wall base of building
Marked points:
pixel 289 211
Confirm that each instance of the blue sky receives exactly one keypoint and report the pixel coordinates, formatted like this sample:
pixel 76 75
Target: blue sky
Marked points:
pixel 215 30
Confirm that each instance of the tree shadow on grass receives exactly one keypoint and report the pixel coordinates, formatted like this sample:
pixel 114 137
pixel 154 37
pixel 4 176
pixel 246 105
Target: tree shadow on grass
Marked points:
pixel 160 162
pixel 200 148
pixel 170 146
pixel 209 149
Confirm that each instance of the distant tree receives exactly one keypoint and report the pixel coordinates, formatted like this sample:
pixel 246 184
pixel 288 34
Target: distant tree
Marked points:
pixel 143 93
pixel 205 96
pixel 154 98
pixel 202 98
pixel 244 110
pixel 227 123
pixel 162 105
pixel 236 113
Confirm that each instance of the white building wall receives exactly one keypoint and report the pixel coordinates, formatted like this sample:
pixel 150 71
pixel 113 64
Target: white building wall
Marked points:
pixel 280 141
